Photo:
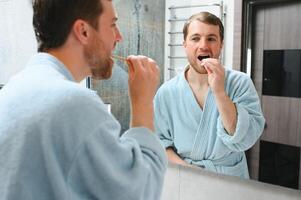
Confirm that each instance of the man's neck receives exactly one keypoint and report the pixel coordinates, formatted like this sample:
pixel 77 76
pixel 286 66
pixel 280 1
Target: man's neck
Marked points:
pixel 72 62
pixel 195 78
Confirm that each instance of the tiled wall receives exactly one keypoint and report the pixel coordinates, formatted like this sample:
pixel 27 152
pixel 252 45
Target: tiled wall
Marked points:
pixel 141 23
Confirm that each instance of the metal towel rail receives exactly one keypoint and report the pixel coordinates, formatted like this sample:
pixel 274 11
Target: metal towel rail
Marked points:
pixel 194 6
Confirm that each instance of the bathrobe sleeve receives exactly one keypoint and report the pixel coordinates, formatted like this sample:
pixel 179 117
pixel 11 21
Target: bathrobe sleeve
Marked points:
pixel 250 120
pixel 107 166
pixel 162 126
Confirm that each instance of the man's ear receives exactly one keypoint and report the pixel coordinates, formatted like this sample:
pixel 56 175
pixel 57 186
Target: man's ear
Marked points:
pixel 81 30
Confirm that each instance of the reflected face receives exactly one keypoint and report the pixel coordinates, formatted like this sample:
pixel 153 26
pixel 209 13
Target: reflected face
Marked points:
pixel 102 43
pixel 202 40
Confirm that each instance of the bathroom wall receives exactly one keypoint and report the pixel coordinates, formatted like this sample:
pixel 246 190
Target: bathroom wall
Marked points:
pixel 141 23
pixel 17 40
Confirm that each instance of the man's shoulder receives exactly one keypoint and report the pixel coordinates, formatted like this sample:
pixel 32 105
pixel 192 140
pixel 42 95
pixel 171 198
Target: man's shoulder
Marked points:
pixel 236 73
pixel 237 81
pixel 172 84
pixel 63 94
pixel 75 93
pixel 236 76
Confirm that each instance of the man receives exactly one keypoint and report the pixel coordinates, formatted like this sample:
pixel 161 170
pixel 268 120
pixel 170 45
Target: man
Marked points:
pixel 57 140
pixel 208 115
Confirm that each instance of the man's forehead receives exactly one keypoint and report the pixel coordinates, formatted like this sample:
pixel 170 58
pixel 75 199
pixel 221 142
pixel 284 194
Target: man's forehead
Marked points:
pixel 197 27
pixel 109 10
pixel 200 23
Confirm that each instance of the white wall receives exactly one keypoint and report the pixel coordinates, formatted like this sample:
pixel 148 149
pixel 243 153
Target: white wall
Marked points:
pixel 17 40
pixel 227 16
pixel 229 31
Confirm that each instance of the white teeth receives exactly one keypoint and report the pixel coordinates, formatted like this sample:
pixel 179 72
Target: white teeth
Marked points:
pixel 203 57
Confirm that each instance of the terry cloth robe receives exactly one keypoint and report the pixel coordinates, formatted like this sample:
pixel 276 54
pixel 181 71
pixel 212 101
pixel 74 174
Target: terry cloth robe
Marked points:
pixel 197 135
pixel 58 141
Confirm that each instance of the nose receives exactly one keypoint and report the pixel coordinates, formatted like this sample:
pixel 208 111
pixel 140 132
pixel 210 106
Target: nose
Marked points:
pixel 203 44
pixel 118 37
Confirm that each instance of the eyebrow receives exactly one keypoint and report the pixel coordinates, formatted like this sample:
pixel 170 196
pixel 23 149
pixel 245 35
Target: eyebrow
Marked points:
pixel 115 19
pixel 210 35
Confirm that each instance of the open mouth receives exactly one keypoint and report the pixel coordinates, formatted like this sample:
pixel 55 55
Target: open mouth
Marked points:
pixel 203 57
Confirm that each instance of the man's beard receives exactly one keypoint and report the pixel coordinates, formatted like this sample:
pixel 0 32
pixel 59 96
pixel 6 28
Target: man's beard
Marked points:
pixel 99 62
pixel 199 69
pixel 196 67
pixel 101 66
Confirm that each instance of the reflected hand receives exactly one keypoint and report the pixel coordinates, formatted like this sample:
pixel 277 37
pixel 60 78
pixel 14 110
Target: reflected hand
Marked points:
pixel 216 74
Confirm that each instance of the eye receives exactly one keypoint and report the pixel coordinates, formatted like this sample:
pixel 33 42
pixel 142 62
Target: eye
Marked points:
pixel 195 39
pixel 212 39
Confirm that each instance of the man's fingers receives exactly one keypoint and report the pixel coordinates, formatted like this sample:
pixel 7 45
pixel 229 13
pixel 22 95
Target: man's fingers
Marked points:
pixel 209 71
pixel 212 66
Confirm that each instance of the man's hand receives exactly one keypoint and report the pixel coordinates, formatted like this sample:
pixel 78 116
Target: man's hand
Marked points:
pixel 225 106
pixel 143 81
pixel 216 74
pixel 175 158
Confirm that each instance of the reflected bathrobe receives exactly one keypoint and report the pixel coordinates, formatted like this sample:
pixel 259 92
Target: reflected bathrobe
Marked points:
pixel 57 141
pixel 197 135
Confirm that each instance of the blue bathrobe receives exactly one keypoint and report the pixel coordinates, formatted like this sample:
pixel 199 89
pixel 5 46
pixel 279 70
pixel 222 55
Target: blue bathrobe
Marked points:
pixel 197 135
pixel 57 141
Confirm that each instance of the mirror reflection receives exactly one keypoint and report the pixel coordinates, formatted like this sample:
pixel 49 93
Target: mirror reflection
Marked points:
pixel 175 62
pixel 208 115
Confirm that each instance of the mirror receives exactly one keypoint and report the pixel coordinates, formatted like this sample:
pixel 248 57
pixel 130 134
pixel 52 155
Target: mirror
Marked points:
pixel 142 26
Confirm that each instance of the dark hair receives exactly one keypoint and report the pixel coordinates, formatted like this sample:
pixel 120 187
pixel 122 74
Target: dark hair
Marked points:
pixel 206 18
pixel 53 19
